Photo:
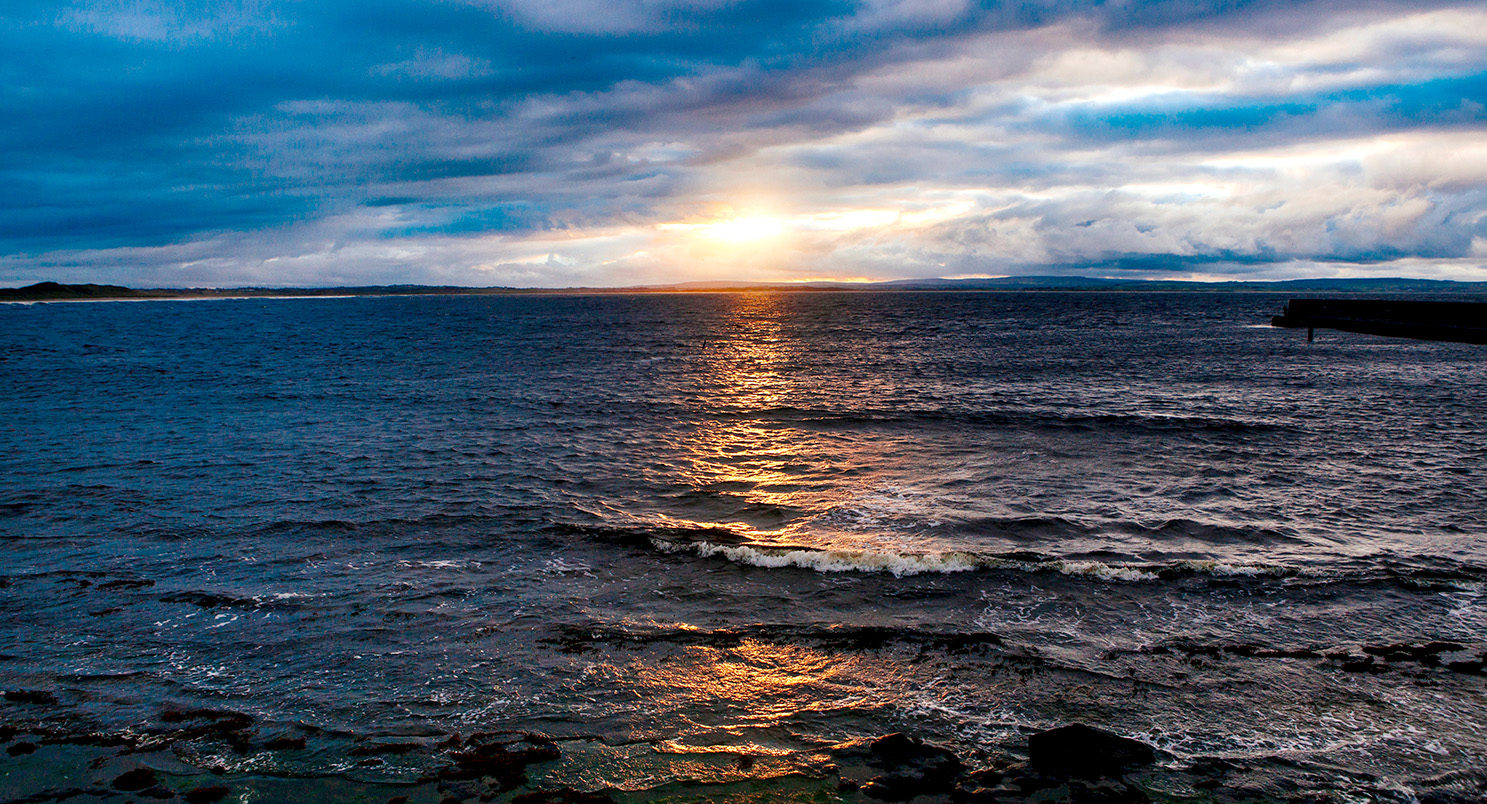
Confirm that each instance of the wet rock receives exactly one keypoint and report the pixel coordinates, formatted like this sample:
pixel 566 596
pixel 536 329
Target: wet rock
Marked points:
pixel 1085 751
pixel 206 794
pixel 891 788
pixel 563 796
pixel 209 721
pixel 501 757
pixel 898 749
pixel 21 749
pixel 137 779
pixel 39 697
pixel 223 724
pixel 913 767
pixel 986 777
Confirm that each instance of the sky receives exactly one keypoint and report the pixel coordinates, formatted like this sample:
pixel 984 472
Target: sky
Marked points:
pixel 556 143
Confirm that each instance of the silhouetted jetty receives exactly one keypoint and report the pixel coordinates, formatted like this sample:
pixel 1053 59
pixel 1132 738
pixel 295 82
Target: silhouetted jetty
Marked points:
pixel 1460 321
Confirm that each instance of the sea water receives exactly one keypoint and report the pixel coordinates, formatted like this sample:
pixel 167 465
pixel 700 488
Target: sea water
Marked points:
pixel 668 528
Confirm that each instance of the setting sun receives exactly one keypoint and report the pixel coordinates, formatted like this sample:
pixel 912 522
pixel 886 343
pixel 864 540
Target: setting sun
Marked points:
pixel 751 229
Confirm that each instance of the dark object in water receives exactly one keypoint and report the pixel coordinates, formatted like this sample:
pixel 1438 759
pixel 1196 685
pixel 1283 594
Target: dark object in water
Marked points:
pixel 206 794
pixel 913 767
pixel 502 757
pixel 137 779
pixel 1085 751
pixel 1460 321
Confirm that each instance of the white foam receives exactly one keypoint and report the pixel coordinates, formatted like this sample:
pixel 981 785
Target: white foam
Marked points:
pixel 562 566
pixel 899 564
pixel 1250 570
pixel 1097 569
pixel 911 563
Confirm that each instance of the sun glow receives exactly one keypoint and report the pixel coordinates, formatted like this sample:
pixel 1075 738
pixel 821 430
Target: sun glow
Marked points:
pixel 750 229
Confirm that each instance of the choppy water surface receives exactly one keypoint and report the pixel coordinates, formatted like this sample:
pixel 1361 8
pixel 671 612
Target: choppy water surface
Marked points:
pixel 669 528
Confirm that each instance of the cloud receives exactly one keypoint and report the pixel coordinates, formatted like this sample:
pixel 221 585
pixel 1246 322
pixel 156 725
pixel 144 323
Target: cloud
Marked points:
pixel 540 143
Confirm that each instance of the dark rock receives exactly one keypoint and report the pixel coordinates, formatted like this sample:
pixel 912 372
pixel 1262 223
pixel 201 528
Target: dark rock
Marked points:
pixel 285 744
pixel 40 697
pixel 886 788
pixel 1085 751
pixel 502 757
pixel 137 779
pixel 206 794
pixel 914 768
pixel 1028 781
pixel 211 721
pixel 21 749
pixel 897 750
pixel 986 777
pixel 563 796
pixel 223 724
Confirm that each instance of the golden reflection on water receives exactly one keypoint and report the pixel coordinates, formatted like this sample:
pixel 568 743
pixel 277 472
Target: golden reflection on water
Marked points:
pixel 750 685
pixel 755 473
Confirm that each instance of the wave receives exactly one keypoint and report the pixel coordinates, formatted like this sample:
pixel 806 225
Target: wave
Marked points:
pixel 1469 658
pixel 1007 417
pixel 901 564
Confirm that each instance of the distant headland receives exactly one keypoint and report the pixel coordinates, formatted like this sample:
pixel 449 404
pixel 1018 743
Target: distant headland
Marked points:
pixel 56 291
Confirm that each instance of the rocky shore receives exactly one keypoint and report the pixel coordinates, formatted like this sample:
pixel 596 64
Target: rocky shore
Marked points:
pixel 200 756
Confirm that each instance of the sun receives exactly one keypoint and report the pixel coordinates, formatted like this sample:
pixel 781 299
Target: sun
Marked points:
pixel 747 229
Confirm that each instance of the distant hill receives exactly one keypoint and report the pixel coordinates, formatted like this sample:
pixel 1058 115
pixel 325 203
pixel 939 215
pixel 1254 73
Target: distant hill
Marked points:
pixel 54 291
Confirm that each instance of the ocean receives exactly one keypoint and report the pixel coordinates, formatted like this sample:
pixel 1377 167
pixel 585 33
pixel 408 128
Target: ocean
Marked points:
pixel 697 542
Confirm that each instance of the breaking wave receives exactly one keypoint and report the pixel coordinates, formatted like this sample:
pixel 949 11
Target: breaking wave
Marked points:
pixel 901 564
